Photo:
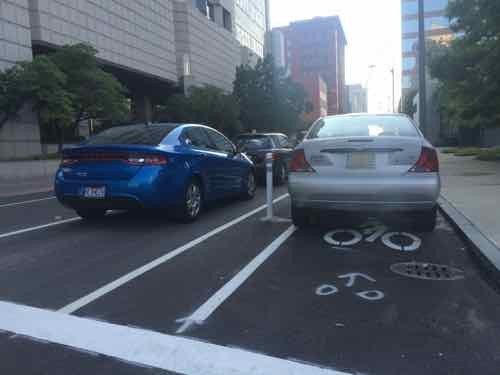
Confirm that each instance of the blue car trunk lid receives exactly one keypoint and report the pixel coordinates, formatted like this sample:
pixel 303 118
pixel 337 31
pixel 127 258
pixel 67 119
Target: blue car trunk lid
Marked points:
pixel 94 163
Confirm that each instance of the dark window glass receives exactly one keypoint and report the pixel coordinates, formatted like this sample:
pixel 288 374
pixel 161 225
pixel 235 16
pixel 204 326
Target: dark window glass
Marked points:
pixel 361 126
pixel 227 21
pixel 211 12
pixel 254 142
pixel 150 135
pixel 283 141
pixel 221 143
pixel 201 5
pixel 197 138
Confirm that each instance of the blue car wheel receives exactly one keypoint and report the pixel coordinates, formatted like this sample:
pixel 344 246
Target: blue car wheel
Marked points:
pixel 250 185
pixel 193 201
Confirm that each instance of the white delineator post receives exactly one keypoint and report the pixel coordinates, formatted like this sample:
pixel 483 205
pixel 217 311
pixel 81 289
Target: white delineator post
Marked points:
pixel 269 185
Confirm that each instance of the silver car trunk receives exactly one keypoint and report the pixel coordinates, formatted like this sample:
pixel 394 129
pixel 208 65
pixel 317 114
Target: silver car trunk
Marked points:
pixel 363 156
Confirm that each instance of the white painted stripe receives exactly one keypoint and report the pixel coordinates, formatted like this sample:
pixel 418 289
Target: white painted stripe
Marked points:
pixel 147 348
pixel 25 202
pixel 38 227
pixel 205 310
pixel 78 304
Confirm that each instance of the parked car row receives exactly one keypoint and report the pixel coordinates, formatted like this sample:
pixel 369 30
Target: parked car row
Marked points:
pixel 372 163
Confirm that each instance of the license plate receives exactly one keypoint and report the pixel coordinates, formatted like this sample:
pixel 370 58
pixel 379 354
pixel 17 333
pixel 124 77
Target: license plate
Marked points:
pixel 94 192
pixel 361 160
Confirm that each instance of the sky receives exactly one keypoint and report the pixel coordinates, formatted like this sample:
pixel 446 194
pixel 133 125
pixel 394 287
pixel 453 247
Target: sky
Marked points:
pixel 373 31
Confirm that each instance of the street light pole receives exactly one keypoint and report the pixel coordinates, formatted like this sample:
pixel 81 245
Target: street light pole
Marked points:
pixel 393 92
pixel 422 109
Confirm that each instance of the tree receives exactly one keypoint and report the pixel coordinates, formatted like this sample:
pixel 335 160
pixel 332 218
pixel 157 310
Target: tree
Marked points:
pixel 207 105
pixel 65 87
pixel 96 93
pixel 269 100
pixel 15 92
pixel 467 69
pixel 53 103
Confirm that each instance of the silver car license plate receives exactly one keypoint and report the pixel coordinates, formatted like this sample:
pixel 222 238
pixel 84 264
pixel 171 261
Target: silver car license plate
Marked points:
pixel 361 160
pixel 93 192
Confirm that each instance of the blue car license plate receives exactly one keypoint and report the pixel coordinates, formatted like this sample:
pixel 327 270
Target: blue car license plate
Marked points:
pixel 93 192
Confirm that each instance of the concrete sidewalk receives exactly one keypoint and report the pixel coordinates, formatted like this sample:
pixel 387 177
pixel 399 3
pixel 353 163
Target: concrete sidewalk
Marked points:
pixel 473 188
pixel 23 186
pixel 26 177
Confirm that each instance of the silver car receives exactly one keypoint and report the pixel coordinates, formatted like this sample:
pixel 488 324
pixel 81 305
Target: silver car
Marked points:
pixel 364 162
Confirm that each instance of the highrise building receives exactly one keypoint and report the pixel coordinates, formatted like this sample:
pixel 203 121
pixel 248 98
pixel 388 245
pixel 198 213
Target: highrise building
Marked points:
pixel 152 47
pixel 436 28
pixel 313 51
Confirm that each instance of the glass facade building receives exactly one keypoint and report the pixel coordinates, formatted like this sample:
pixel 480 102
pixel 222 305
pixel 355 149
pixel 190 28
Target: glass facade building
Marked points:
pixel 250 24
pixel 436 28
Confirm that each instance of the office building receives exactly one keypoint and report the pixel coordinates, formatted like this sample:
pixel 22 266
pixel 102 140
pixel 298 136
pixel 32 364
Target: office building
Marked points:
pixel 317 91
pixel 436 28
pixel 315 50
pixel 153 47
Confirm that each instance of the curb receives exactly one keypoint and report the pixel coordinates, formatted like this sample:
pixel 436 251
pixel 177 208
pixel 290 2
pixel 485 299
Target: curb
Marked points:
pixel 484 248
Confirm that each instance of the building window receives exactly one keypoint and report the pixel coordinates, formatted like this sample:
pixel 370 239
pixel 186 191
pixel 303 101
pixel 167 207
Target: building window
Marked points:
pixel 186 64
pixel 201 5
pixel 434 5
pixel 226 19
pixel 410 26
pixel 410 8
pixel 409 63
pixel 211 12
pixel 410 45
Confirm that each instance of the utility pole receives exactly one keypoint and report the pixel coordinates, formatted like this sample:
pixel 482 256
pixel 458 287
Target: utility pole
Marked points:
pixel 393 92
pixel 422 93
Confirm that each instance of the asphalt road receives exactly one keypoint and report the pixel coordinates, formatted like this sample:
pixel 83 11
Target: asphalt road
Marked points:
pixel 141 294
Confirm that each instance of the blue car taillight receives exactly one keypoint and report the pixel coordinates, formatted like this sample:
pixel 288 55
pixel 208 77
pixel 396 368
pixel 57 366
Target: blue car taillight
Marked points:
pixel 132 159
pixel 147 159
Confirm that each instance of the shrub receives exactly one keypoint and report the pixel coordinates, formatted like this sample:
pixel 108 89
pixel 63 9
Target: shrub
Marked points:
pixel 468 151
pixel 490 154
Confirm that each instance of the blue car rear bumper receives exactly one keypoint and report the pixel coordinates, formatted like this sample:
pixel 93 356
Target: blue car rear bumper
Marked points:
pixel 152 188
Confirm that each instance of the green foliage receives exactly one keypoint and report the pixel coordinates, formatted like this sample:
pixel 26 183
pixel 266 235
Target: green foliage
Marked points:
pixel 467 151
pixel 468 69
pixel 15 91
pixel 449 150
pixel 52 101
pixel 64 87
pixel 491 154
pixel 205 105
pixel 96 93
pixel 269 100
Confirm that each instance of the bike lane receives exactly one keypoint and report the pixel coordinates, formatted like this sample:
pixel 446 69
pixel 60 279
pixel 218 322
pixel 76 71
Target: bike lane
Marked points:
pixel 327 302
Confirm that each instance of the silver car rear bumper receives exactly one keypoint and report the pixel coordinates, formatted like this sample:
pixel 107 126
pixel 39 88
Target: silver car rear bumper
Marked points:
pixel 409 192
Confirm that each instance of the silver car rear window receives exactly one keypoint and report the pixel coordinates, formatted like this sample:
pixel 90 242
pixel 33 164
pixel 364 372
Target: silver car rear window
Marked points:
pixel 363 126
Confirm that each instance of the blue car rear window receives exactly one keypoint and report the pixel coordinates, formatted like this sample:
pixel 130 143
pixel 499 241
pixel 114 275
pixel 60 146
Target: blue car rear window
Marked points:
pixel 149 135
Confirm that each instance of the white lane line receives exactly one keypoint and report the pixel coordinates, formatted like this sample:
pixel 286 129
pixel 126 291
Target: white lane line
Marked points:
pixel 85 300
pixel 25 202
pixel 38 227
pixel 147 348
pixel 205 310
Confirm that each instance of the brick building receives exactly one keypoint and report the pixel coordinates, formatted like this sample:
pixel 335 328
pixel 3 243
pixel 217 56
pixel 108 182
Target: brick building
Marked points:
pixel 314 52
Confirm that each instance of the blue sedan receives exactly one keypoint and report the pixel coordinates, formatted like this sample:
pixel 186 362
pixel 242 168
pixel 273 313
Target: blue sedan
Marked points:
pixel 154 166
